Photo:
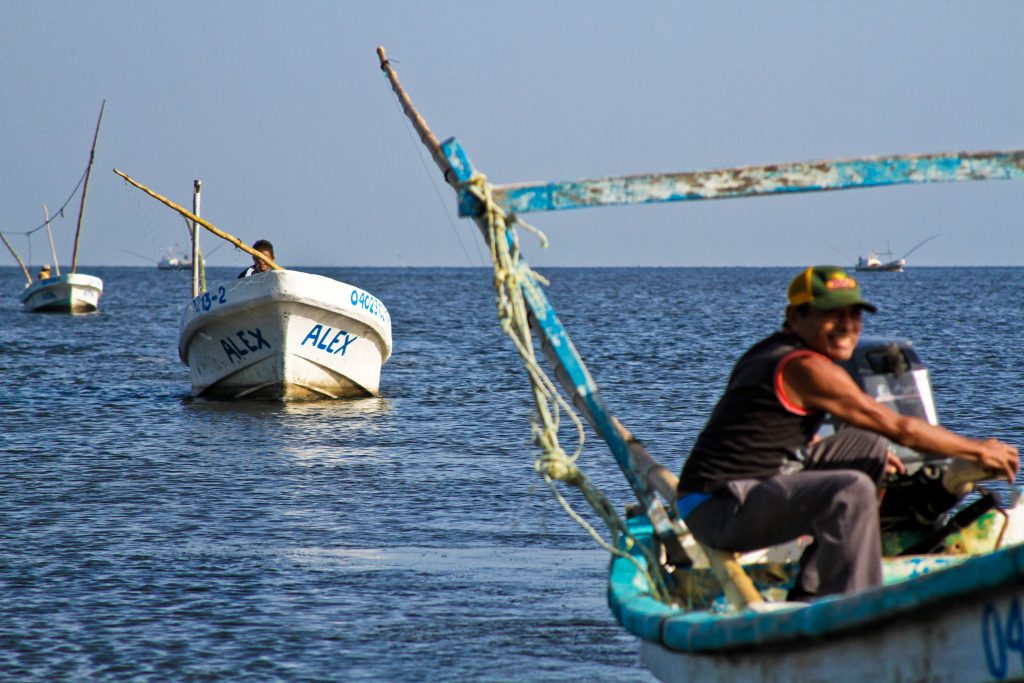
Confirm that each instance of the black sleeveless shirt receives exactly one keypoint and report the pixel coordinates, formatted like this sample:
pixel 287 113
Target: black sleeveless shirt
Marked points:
pixel 752 433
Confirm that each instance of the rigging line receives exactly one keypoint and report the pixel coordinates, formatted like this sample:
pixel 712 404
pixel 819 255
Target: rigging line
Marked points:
pixel 60 211
pixel 444 204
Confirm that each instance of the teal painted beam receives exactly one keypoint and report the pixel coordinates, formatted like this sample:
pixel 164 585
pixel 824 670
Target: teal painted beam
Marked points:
pixel 751 181
pixel 573 375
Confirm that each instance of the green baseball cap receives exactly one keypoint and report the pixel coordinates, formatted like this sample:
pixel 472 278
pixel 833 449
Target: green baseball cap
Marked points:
pixel 826 288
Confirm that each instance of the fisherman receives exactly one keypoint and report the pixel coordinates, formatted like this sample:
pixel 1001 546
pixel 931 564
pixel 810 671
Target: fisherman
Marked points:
pixel 44 272
pixel 758 475
pixel 258 264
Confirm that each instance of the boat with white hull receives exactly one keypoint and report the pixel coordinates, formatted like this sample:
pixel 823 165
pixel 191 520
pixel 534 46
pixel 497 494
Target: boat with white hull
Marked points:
pixel 285 335
pixel 68 293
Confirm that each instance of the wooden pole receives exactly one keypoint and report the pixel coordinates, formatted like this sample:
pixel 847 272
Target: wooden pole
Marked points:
pixel 196 185
pixel 418 122
pixel 85 188
pixel 49 233
pixel 196 219
pixel 17 258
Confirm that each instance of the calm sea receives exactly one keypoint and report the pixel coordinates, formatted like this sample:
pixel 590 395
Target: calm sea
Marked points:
pixel 149 536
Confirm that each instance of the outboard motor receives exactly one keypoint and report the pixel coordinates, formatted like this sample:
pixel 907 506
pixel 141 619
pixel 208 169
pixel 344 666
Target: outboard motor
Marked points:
pixel 890 371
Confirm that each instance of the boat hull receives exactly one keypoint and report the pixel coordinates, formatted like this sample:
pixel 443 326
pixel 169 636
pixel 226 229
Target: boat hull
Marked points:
pixel 938 618
pixel 972 640
pixel 69 293
pixel 285 335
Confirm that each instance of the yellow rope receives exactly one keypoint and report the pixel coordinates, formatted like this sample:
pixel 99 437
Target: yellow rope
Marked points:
pixel 510 277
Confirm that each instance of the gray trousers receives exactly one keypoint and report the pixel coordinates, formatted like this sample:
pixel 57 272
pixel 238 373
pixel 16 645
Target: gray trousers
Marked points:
pixel 834 498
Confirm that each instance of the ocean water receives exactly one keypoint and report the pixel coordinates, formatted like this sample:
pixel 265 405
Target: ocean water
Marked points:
pixel 149 536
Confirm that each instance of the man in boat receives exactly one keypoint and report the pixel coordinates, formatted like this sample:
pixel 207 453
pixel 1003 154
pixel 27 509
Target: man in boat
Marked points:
pixel 44 272
pixel 758 475
pixel 258 264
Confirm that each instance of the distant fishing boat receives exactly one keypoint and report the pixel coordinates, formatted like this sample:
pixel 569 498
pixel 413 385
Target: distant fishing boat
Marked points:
pixel 950 609
pixel 173 261
pixel 281 334
pixel 72 292
pixel 874 262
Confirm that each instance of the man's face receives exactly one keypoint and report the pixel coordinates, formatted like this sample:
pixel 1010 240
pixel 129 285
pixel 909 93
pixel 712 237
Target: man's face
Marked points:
pixel 832 333
pixel 258 264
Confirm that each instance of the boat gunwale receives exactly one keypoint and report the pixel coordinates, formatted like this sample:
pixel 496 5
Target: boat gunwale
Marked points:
pixel 191 323
pixel 703 632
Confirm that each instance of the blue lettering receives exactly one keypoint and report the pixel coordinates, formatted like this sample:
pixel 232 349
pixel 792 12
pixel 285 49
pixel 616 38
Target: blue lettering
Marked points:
pixel 348 340
pixel 241 335
pixel 314 334
pixel 229 350
pixel 240 351
pixel 322 343
pixel 330 347
pixel 260 341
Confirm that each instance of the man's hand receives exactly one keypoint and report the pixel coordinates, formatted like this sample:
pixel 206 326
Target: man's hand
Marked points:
pixel 999 457
pixel 893 465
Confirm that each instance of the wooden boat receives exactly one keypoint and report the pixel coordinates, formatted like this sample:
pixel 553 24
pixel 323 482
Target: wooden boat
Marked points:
pixel 281 334
pixel 72 292
pixel 950 608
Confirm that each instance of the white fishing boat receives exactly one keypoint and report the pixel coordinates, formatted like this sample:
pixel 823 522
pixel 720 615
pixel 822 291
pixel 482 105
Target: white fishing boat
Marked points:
pixel 950 608
pixel 68 293
pixel 72 292
pixel 279 334
pixel 873 261
pixel 173 261
pixel 285 335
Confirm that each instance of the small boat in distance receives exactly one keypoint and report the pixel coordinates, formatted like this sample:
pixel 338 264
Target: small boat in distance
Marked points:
pixel 874 262
pixel 279 334
pixel 72 292
pixel 175 261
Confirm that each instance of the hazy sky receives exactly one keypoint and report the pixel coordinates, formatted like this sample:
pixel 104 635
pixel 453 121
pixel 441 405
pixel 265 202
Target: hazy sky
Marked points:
pixel 281 110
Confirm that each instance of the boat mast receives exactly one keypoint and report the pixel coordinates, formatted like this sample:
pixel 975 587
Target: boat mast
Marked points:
pixel 196 187
pixel 16 258
pixel 49 233
pixel 85 188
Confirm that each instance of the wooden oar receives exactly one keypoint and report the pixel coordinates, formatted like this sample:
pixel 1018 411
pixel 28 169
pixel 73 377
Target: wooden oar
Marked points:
pixel 17 258
pixel 206 224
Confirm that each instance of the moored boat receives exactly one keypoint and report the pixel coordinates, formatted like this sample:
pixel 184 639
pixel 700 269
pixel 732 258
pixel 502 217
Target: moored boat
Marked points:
pixel 68 293
pixel 950 606
pixel 72 292
pixel 279 334
pixel 285 335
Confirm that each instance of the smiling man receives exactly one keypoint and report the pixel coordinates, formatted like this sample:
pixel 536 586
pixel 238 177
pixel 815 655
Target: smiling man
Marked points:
pixel 758 475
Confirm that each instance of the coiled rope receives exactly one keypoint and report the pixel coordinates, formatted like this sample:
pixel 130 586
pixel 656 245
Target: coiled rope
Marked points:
pixel 511 276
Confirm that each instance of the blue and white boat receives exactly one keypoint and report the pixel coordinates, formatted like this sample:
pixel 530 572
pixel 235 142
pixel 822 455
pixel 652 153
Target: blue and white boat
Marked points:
pixel 285 335
pixel 951 606
pixel 280 334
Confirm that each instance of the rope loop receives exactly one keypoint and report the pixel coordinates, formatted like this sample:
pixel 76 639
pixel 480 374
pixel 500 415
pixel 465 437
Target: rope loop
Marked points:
pixel 513 279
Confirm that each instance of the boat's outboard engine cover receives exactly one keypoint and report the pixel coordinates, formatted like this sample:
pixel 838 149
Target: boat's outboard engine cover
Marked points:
pixel 890 371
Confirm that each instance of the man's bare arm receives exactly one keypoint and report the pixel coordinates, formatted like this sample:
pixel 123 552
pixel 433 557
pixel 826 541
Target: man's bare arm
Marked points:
pixel 816 383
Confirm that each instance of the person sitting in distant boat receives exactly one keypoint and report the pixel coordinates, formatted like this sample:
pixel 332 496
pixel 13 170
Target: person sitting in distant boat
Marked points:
pixel 759 476
pixel 44 272
pixel 258 264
